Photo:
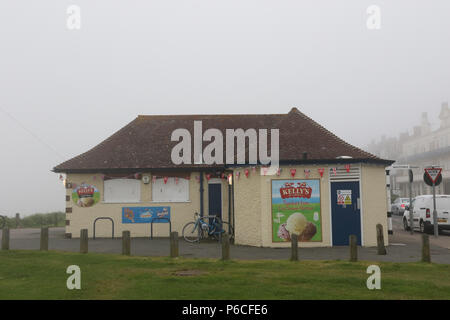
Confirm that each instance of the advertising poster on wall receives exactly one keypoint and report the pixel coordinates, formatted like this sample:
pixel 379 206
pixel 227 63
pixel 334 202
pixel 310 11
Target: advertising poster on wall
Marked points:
pixel 85 195
pixel 296 209
pixel 145 214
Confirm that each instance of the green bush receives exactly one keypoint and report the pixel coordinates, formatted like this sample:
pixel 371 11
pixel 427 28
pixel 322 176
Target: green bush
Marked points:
pixel 37 220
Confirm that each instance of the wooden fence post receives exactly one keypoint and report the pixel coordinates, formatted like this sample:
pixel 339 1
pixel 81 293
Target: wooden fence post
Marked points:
pixel 126 243
pixel 426 255
pixel 174 244
pixel 44 239
pixel 225 246
pixel 17 220
pixel 353 248
pixel 83 241
pixel 380 240
pixel 294 247
pixel 5 238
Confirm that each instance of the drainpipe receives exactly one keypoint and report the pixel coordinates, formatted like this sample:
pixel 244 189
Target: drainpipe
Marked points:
pixel 201 194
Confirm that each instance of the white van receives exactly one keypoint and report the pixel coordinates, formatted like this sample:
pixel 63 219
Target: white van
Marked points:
pixel 422 208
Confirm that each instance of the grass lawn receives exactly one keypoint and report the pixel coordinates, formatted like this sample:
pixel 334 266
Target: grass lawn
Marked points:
pixel 42 275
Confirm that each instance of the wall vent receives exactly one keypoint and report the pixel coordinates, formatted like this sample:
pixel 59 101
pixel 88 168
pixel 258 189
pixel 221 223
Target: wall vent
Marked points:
pixel 342 174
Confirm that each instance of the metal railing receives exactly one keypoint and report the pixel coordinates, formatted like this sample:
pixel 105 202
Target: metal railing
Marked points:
pixel 105 218
pixel 151 226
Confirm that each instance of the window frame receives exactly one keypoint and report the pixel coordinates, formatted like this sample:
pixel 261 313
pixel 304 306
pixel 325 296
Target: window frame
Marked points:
pixel 135 181
pixel 188 191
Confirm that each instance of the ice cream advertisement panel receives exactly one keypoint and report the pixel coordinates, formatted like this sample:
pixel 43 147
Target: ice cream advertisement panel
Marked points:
pixel 85 195
pixel 296 209
pixel 145 214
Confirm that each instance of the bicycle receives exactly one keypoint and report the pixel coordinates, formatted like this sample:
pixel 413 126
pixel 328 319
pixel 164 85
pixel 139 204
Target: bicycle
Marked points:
pixel 211 226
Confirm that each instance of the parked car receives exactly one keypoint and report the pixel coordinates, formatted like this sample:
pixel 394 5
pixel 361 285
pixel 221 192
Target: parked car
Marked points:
pixel 398 206
pixel 422 208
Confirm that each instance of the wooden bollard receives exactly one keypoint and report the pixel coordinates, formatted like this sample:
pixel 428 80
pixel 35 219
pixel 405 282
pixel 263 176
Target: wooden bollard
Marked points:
pixel 380 240
pixel 84 241
pixel 426 255
pixel 126 243
pixel 294 247
pixel 174 244
pixel 44 239
pixel 225 246
pixel 353 248
pixel 5 238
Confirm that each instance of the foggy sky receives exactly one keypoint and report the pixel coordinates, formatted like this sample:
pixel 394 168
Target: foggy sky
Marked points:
pixel 73 89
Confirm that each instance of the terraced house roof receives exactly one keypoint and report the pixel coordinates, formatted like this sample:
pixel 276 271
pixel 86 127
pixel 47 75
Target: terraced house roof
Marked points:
pixel 145 143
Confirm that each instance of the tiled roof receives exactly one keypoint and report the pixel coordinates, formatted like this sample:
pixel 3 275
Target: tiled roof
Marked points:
pixel 145 142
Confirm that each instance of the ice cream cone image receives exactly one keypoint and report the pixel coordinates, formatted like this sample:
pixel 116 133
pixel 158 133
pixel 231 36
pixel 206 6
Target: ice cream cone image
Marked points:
pixel 296 223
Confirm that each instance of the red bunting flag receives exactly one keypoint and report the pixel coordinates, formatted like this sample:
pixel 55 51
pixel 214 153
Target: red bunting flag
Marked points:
pixel 293 171
pixel 278 171
pixel 347 167
pixel 307 172
pixel 321 171
pixel 208 176
pixel 246 172
pixel 165 179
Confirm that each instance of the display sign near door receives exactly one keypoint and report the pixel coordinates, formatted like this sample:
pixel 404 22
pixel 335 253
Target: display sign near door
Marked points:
pixel 296 210
pixel 344 197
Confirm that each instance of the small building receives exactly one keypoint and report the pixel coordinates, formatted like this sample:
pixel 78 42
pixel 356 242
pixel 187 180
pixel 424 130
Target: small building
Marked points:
pixel 323 190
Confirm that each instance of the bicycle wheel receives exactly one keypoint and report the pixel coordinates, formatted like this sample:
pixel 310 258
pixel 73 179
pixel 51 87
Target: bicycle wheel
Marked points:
pixel 226 228
pixel 191 232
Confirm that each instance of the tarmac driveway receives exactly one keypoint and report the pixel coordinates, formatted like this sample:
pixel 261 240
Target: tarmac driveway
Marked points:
pixel 403 247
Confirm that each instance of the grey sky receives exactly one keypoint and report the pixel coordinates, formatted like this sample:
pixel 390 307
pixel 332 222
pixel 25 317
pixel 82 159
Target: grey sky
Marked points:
pixel 75 88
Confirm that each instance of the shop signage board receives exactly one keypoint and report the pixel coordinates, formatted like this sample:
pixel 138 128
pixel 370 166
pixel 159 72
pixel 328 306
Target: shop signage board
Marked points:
pixel 85 195
pixel 296 209
pixel 145 214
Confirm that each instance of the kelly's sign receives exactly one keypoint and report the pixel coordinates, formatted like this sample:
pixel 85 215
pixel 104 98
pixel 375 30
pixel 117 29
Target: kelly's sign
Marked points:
pixel 296 210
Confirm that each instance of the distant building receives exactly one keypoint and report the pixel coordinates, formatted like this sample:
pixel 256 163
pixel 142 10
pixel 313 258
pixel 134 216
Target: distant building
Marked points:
pixel 422 148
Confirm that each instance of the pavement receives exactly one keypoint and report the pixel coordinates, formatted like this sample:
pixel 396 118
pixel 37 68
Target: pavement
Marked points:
pixel 403 247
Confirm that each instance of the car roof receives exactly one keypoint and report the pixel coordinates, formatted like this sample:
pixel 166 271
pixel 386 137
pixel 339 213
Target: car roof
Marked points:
pixel 426 196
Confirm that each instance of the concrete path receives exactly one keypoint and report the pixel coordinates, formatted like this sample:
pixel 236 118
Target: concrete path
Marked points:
pixel 403 247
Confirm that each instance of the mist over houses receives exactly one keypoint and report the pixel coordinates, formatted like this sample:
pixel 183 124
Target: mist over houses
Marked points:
pixel 423 147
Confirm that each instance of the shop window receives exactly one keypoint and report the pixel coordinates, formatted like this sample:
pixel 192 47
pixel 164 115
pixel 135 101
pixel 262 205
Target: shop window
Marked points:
pixel 122 190
pixel 171 190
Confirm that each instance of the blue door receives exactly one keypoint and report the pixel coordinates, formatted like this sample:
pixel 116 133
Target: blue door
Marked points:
pixel 215 199
pixel 345 212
